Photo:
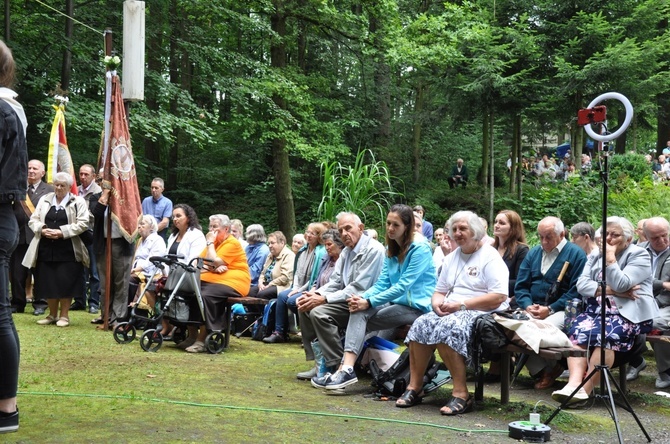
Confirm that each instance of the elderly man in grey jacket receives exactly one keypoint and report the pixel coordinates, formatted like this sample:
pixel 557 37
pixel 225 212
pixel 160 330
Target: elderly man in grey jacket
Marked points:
pixel 324 312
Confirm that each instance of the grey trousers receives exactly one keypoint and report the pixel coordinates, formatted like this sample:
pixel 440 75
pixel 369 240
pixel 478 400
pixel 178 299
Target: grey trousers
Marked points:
pixel 662 350
pixel 118 298
pixel 324 323
pixel 376 318
pixel 536 364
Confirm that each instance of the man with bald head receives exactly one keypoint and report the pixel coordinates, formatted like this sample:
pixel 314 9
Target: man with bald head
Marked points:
pixel 325 312
pixel 538 271
pixel 656 230
pixel 36 188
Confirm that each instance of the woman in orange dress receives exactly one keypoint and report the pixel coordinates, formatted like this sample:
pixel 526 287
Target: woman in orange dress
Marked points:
pixel 226 274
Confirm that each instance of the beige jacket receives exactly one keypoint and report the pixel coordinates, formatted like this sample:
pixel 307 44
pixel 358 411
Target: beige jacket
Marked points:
pixel 282 273
pixel 77 216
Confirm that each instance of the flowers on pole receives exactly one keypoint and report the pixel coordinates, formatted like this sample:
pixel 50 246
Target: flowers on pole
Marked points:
pixel 112 62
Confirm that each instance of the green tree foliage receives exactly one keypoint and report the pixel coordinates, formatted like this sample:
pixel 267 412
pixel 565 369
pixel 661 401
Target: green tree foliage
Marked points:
pixel 240 113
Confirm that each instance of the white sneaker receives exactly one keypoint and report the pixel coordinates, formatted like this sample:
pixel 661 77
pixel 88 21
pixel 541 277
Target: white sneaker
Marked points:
pixel 563 394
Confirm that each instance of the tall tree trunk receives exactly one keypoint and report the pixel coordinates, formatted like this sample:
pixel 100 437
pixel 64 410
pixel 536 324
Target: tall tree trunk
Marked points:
pixel 620 143
pixel 66 67
pixel 662 122
pixel 280 160
pixel 155 57
pixel 416 130
pixel 382 84
pixel 8 4
pixel 174 64
pixel 483 174
pixel 515 153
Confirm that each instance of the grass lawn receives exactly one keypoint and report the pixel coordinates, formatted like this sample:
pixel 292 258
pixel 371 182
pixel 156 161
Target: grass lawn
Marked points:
pixel 77 384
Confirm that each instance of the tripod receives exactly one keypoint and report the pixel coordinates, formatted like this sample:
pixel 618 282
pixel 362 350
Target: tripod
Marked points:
pixel 606 378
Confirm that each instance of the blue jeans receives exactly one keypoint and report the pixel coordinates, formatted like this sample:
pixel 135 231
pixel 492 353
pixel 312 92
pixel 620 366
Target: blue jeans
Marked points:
pixel 93 280
pixel 9 339
pixel 284 303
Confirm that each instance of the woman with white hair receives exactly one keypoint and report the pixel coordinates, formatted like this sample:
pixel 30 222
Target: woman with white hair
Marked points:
pixel 150 244
pixel 56 252
pixel 473 281
pixel 257 251
pixel 630 307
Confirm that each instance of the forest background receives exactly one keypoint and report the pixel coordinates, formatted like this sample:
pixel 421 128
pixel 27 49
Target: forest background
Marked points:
pixel 249 103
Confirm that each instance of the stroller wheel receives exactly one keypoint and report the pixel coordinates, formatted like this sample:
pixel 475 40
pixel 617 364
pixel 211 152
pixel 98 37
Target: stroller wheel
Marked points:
pixel 125 333
pixel 215 342
pixel 151 340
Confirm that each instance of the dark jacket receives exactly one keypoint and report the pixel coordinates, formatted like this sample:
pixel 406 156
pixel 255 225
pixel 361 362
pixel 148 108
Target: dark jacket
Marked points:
pixel 463 173
pixel 13 156
pixel 532 286
pixel 99 241
pixel 22 213
pixel 513 263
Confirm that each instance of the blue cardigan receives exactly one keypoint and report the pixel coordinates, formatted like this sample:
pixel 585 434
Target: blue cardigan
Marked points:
pixel 411 283
pixel 256 255
pixel 532 287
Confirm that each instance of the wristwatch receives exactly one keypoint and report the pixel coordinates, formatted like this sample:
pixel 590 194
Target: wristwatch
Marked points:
pixel 551 310
pixel 463 307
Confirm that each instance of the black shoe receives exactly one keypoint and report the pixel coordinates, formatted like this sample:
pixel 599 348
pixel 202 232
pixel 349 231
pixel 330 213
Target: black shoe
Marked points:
pixel 39 311
pixel 9 422
pixel 93 309
pixel 275 338
pixel 77 306
pixel 97 320
pixel 18 309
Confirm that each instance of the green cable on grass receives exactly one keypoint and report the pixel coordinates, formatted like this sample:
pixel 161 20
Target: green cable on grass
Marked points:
pixel 257 409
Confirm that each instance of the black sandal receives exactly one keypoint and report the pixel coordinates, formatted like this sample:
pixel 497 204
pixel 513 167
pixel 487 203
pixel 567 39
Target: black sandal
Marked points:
pixel 457 406
pixel 409 399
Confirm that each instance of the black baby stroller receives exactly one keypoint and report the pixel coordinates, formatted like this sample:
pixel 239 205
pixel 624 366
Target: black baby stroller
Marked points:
pixel 179 302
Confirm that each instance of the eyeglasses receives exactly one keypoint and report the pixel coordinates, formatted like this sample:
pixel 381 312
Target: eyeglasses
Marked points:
pixel 613 235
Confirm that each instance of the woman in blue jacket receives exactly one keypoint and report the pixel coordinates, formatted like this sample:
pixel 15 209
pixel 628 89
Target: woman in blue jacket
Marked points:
pixel 401 294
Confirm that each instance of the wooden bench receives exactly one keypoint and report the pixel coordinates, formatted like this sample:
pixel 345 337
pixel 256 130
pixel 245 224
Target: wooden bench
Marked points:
pixel 553 353
pixel 247 302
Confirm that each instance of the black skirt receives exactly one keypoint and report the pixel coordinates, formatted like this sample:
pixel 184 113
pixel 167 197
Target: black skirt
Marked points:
pixel 57 274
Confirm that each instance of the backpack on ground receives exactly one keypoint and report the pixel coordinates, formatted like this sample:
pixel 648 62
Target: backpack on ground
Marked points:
pixel 394 381
pixel 265 325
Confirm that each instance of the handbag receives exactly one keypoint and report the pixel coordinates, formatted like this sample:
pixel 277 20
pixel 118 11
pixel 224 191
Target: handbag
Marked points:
pixel 87 237
pixel 187 285
pixel 533 333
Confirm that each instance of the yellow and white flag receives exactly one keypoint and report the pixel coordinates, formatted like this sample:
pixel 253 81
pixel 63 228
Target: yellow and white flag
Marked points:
pixel 59 154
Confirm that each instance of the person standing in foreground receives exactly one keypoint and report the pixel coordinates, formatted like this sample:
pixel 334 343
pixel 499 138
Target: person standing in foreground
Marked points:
pixel 91 192
pixel 23 209
pixel 13 177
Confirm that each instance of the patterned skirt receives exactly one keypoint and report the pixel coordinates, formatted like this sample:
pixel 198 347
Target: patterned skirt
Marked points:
pixel 620 333
pixel 453 330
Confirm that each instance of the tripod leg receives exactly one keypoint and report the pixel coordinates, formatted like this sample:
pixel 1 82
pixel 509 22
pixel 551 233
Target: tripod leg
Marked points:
pixel 610 398
pixel 625 405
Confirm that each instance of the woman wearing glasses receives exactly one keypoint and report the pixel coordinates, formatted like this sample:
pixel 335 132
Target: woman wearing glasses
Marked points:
pixel 630 307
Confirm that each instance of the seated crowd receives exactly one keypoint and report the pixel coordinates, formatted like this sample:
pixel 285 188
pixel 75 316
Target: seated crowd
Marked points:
pixel 340 284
